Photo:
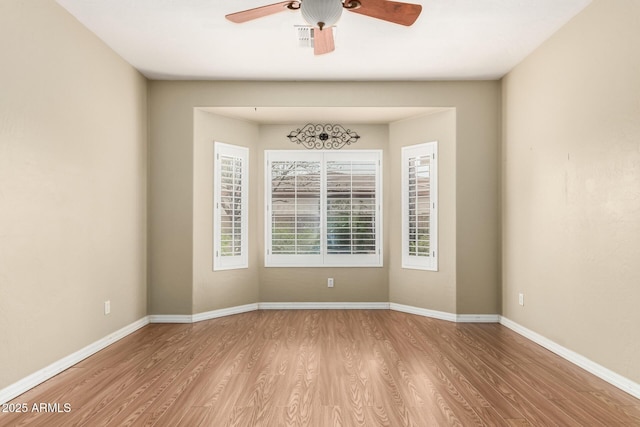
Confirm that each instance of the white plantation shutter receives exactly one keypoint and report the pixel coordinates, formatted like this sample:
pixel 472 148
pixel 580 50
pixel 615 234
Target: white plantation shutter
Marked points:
pixel 323 208
pixel 419 204
pixel 230 207
pixel 353 208
pixel 295 204
pixel 419 198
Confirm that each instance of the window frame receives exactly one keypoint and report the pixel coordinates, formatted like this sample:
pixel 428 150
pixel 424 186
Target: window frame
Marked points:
pixel 235 261
pixel 323 259
pixel 409 261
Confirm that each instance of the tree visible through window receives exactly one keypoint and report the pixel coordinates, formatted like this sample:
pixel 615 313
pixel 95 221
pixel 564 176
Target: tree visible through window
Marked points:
pixel 323 208
pixel 295 202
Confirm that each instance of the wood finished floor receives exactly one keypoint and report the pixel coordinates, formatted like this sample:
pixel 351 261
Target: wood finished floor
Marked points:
pixel 327 368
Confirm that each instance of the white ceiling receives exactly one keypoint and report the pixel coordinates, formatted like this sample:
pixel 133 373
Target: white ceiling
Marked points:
pixel 451 40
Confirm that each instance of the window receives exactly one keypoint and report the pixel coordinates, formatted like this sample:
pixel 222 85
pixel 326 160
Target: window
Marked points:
pixel 323 208
pixel 420 206
pixel 230 207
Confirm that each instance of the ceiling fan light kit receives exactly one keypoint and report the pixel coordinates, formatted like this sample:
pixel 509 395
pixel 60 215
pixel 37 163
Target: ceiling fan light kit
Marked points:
pixel 323 15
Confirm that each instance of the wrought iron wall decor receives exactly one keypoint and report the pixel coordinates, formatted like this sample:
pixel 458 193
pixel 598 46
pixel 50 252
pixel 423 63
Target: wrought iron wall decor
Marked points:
pixel 323 137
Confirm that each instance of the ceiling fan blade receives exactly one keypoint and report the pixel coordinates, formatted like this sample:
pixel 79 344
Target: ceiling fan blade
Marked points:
pixel 392 11
pixel 323 41
pixel 259 12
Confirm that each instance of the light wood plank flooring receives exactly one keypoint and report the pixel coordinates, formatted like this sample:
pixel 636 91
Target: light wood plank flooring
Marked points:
pixel 327 368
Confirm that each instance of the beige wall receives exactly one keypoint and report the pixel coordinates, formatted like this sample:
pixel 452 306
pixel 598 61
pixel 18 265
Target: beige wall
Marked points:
pixel 225 288
pixel 363 284
pixel 435 290
pixel 72 188
pixel 571 187
pixel 174 285
pixel 170 202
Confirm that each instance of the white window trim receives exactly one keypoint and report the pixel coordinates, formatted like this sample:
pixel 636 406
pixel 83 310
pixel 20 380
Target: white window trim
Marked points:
pixel 242 260
pixel 420 262
pixel 323 259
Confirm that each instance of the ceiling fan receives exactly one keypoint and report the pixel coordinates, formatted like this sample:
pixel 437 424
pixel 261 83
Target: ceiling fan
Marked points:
pixel 322 15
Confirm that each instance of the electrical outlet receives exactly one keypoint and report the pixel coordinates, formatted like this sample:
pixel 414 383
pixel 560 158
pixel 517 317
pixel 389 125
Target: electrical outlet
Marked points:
pixel 107 307
pixel 330 282
pixel 521 299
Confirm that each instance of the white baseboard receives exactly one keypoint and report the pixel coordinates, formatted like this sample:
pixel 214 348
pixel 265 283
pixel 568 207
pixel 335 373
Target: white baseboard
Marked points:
pixel 224 312
pixel 588 365
pixel 187 318
pixel 323 306
pixel 38 377
pixel 170 318
pixel 478 318
pixel 442 315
